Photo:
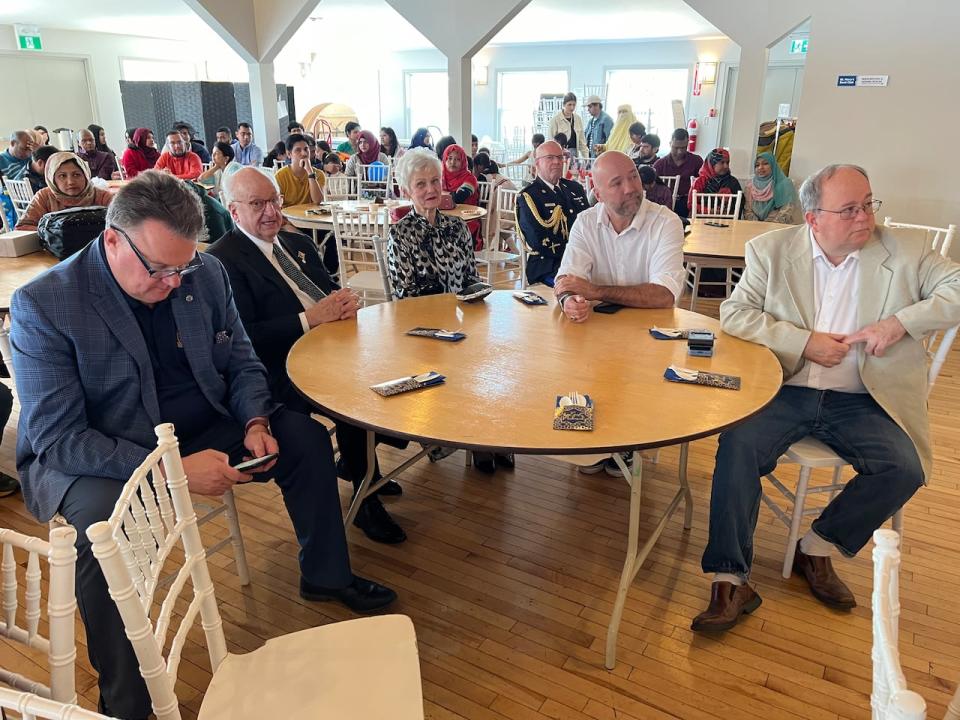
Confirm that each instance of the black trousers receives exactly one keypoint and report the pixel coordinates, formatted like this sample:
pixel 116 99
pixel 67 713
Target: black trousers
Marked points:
pixel 307 479
pixel 6 407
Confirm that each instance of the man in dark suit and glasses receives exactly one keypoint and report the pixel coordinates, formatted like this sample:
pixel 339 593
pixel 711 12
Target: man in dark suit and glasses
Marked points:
pixel 138 329
pixel 282 290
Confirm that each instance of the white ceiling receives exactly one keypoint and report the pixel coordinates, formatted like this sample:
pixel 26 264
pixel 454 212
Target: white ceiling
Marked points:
pixel 540 21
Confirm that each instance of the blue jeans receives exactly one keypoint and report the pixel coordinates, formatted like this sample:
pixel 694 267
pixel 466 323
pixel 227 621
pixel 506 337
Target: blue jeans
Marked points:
pixel 855 427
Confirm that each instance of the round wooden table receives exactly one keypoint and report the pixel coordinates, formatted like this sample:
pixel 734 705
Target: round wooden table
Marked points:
pixel 320 217
pixel 503 379
pixel 466 212
pixel 724 248
pixel 14 273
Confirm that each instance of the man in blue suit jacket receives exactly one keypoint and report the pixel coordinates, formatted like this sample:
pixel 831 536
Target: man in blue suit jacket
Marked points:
pixel 139 329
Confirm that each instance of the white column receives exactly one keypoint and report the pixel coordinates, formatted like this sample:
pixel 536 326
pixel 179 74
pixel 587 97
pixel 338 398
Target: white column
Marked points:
pixel 461 99
pixel 746 111
pixel 263 105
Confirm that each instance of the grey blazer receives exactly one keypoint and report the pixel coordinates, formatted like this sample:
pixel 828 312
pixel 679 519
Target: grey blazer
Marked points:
pixel 773 304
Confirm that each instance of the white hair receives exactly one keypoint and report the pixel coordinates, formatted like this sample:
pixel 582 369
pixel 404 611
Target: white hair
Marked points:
pixel 230 175
pixel 414 161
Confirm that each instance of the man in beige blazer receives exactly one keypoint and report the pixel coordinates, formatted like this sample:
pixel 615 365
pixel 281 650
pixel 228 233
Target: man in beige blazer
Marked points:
pixel 844 305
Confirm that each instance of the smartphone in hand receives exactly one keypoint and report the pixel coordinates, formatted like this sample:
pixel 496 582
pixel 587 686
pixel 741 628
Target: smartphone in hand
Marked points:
pixel 248 465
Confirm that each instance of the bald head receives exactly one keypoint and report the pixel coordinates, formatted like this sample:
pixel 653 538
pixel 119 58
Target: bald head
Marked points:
pixel 88 143
pixel 617 183
pixel 549 160
pixel 21 144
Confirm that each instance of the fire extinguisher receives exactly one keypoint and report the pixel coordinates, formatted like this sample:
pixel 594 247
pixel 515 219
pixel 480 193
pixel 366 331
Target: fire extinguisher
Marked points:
pixel 692 131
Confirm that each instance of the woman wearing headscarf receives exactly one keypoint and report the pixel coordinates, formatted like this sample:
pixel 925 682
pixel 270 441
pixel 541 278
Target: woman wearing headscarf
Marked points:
pixel 141 154
pixel 368 152
pixel 620 135
pixel 770 196
pixel 715 176
pixel 459 181
pixel 422 138
pixel 68 186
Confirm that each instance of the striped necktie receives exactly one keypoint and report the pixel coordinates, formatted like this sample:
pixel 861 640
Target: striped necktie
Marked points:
pixel 291 270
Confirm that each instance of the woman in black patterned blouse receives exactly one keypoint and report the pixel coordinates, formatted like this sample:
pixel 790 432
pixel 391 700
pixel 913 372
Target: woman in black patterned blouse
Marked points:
pixel 429 253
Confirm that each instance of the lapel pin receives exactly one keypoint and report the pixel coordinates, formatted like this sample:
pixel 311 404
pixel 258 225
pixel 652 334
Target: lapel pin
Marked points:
pixel 302 256
pixel 189 298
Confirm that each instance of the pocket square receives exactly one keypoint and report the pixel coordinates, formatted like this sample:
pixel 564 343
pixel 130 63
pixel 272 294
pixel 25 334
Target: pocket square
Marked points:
pixel 223 336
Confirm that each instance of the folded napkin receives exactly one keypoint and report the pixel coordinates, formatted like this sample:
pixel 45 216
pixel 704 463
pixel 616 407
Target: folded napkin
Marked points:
pixel 675 373
pixel 437 334
pixel 406 384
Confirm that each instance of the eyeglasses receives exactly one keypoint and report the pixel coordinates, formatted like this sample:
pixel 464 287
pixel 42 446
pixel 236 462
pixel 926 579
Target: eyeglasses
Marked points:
pixel 850 213
pixel 260 205
pixel 161 273
pixel 551 158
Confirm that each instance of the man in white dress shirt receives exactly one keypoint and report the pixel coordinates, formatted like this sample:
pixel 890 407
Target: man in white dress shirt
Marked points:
pixel 845 306
pixel 625 250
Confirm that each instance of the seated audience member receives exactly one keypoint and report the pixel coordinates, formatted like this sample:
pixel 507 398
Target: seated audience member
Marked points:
pixel 298 295
pixel 569 122
pixel 44 134
pixel 295 128
pixel 561 140
pixel 216 218
pixel 331 164
pixel 223 162
pixel 102 164
pixel 443 143
pixel 368 152
pixel 474 144
pixel 637 134
pixel 647 150
pixel 38 161
pixel 224 135
pixel 462 186
pixel 546 210
pixel 350 146
pixel 535 142
pixel 715 176
pixel 421 138
pixel 277 154
pixel 624 250
pixel 128 135
pixel 243 147
pixel 15 160
pixel 180 162
pixel 68 186
pixel 389 143
pixel 654 189
pixel 770 196
pixel 100 135
pixel 430 253
pixel 323 147
pixel 680 162
pixel 97 368
pixel 8 485
pixel 191 143
pixel 141 154
pixel 859 388
pixel 625 125
pixel 300 183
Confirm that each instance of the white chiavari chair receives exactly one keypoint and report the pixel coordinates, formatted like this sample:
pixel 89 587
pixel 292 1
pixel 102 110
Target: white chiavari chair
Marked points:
pixel 672 182
pixel 354 233
pixel 374 180
pixel 28 706
pixel 341 187
pixel 718 206
pixel 318 672
pixel 21 193
pixel 60 647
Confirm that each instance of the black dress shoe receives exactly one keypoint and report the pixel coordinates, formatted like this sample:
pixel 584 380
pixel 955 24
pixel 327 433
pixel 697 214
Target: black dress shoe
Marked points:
pixel 484 462
pixel 392 487
pixel 505 460
pixel 361 596
pixel 8 485
pixel 376 523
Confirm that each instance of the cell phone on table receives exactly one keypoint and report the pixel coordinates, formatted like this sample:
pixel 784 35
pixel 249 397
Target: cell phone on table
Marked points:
pixel 716 224
pixel 248 465
pixel 608 308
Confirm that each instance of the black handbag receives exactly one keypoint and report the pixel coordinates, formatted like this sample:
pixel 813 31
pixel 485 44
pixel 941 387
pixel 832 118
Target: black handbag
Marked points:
pixel 66 232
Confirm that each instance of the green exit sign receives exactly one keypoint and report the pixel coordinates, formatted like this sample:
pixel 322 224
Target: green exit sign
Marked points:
pixel 28 37
pixel 798 46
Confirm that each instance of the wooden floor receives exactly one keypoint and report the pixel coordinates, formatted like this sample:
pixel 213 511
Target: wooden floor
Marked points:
pixel 509 580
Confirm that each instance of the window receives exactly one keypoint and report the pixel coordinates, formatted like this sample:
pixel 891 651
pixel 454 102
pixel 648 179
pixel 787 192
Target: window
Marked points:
pixel 427 103
pixel 139 69
pixel 650 92
pixel 518 96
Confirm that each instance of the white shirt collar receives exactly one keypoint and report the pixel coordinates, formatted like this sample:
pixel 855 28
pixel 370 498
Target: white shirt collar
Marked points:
pixel 265 247
pixel 552 187
pixel 819 253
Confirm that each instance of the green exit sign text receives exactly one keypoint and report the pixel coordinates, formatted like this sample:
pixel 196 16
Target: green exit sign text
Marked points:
pixel 798 46
pixel 28 37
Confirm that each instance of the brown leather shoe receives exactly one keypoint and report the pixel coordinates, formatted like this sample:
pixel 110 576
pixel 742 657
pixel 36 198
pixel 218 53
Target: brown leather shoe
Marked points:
pixel 727 603
pixel 822 578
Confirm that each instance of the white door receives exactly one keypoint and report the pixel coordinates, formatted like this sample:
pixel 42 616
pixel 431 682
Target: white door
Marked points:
pixel 50 91
pixel 783 85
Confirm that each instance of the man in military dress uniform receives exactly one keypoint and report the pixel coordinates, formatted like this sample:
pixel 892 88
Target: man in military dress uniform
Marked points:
pixel 546 210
